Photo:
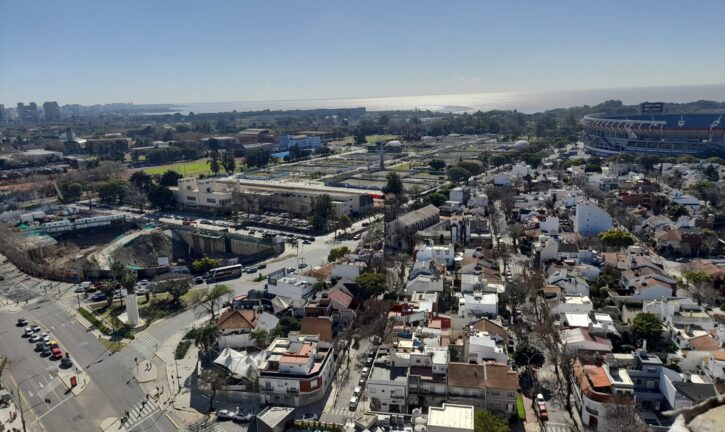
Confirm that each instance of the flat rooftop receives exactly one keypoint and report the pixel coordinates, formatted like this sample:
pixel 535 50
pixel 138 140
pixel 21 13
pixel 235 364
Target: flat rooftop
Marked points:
pixel 451 416
pixel 389 373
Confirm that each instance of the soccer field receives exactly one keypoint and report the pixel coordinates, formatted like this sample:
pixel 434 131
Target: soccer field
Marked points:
pixel 191 168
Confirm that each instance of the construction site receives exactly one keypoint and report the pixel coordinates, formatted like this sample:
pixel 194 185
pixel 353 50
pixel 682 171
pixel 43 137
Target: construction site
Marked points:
pixel 62 243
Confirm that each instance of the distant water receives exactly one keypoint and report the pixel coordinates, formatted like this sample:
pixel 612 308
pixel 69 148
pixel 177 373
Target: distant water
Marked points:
pixel 471 102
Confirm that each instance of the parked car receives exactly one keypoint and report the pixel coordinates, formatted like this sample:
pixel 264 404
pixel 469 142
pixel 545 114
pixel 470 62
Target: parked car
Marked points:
pixel 251 270
pixel 141 291
pixel 39 346
pixel 262 266
pixel 198 280
pixel 242 417
pixel 306 242
pixel 28 331
pixel 224 415
pixel 143 282
pixel 66 362
pixel 540 398
pixel 22 322
pixel 99 297
pixel 310 416
pixel 302 265
pixel 357 391
pixel 45 352
pixel 356 237
pixel 34 338
pixel 541 411
pixel 353 403
pixel 56 353
pixel 79 289
pixel 291 269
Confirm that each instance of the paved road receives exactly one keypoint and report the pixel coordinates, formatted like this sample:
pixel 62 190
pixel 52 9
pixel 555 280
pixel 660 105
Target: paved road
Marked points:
pixel 111 391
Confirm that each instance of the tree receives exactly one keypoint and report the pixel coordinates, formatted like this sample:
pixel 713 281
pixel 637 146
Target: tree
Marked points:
pixel 175 284
pixel 113 191
pixel 141 180
pixel 210 299
pixel 437 199
pixel 371 284
pixel 699 284
pixel 337 253
pixel 71 191
pixel 205 337
pixel 437 164
pixel 344 222
pixel 257 158
pixel 458 174
pixel 528 355
pixel 711 173
pixel 259 336
pixel 108 287
pixel 321 211
pixel 620 414
pixel 647 326
pixel 472 167
pixel 484 421
pixel 203 265
pixel 323 150
pixel 228 163
pixel 214 164
pixel 285 325
pixel 676 211
pixel 117 269
pixel 393 185
pixel 161 197
pixel 170 178
pixel 128 281
pixel 617 238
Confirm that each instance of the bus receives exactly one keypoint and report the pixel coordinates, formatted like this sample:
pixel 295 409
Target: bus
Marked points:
pixel 227 272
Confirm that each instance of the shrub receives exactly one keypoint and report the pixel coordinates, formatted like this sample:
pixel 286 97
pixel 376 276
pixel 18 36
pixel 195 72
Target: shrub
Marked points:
pixel 95 322
pixel 182 348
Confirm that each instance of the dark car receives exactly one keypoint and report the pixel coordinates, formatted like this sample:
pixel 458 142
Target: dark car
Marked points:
pixel 66 362
pixel 22 322
pixel 262 266
pixel 46 351
pixel 40 346
pixel 99 297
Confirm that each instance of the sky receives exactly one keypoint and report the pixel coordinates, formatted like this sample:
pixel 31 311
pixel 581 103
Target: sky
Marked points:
pixel 183 51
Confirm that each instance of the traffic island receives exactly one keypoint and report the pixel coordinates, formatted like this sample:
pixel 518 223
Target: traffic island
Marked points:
pixel 112 424
pixel 145 371
pixel 82 380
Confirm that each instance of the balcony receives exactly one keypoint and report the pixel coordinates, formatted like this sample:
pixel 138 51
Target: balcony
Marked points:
pixel 293 390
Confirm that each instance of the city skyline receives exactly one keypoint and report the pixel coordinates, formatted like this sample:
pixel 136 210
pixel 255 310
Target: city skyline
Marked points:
pixel 153 53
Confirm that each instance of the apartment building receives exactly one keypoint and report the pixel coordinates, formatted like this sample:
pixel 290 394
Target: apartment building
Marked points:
pixel 297 371
pixel 294 287
pixel 203 194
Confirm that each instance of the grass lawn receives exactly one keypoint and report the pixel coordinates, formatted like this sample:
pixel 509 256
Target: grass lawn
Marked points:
pixel 520 407
pixel 192 168
pixel 114 346
pixel 376 138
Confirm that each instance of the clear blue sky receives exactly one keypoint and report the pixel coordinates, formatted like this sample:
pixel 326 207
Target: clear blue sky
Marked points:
pixel 170 51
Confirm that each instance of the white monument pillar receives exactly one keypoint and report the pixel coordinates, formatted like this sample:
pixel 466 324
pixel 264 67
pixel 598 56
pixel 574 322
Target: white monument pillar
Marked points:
pixel 132 310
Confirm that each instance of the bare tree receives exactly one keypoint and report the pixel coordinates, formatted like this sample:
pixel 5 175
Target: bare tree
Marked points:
pixel 210 299
pixel 621 415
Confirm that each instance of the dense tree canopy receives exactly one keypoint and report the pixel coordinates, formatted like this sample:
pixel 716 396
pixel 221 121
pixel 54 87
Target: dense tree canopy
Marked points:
pixel 647 326
pixel 371 284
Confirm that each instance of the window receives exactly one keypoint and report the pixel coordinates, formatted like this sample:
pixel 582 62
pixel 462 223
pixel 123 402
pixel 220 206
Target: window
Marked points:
pixel 511 394
pixel 650 384
pixel 211 200
pixel 191 198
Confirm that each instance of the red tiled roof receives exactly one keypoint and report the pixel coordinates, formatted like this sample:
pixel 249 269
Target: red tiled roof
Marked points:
pixel 341 297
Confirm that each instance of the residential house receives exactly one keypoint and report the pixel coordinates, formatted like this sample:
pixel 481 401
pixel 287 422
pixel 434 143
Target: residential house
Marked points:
pixel 451 418
pixel 490 386
pixel 297 371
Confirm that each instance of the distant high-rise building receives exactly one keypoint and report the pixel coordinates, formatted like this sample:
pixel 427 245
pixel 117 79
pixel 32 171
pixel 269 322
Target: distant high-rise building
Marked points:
pixel 28 113
pixel 3 114
pixel 52 111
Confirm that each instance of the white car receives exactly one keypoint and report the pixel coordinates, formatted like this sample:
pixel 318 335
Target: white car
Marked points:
pixel 141 291
pixel 143 282
pixel 34 338
pixel 223 415
pixel 539 398
pixel 353 402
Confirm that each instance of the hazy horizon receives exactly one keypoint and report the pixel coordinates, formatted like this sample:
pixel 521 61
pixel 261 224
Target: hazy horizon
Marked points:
pixel 175 52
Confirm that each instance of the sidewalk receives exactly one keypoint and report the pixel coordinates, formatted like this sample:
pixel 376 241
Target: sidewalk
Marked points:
pixel 10 418
pixel 158 377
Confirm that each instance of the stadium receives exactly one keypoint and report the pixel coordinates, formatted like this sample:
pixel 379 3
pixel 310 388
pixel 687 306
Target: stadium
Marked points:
pixel 664 134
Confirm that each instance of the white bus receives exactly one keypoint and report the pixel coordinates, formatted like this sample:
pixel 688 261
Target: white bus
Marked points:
pixel 227 272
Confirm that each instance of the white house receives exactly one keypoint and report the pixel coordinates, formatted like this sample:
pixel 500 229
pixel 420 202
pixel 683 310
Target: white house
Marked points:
pixel 482 346
pixel 471 283
pixel 451 418
pixel 502 180
pixel 572 304
pixel 521 169
pixel 478 305
pixel 294 287
pixel 424 283
pixel 715 365
pixel 439 254
pixel 550 225
pixel 590 220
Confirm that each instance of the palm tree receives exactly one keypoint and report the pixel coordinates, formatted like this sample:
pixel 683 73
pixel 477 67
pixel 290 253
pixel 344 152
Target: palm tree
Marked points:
pixel 206 337
pixel 259 336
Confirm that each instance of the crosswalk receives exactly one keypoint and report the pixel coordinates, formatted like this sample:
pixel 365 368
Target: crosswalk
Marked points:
pixel 145 344
pixel 140 413
pixel 210 426
pixel 557 427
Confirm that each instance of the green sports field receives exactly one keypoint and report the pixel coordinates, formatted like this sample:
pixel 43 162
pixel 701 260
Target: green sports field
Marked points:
pixel 191 168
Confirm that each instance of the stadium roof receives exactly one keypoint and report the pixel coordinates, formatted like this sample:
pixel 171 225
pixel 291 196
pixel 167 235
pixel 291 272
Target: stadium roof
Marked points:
pixel 667 121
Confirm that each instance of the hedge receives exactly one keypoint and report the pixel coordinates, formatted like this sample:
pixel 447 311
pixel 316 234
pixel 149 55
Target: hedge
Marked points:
pixel 96 323
pixel 181 349
pixel 520 407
